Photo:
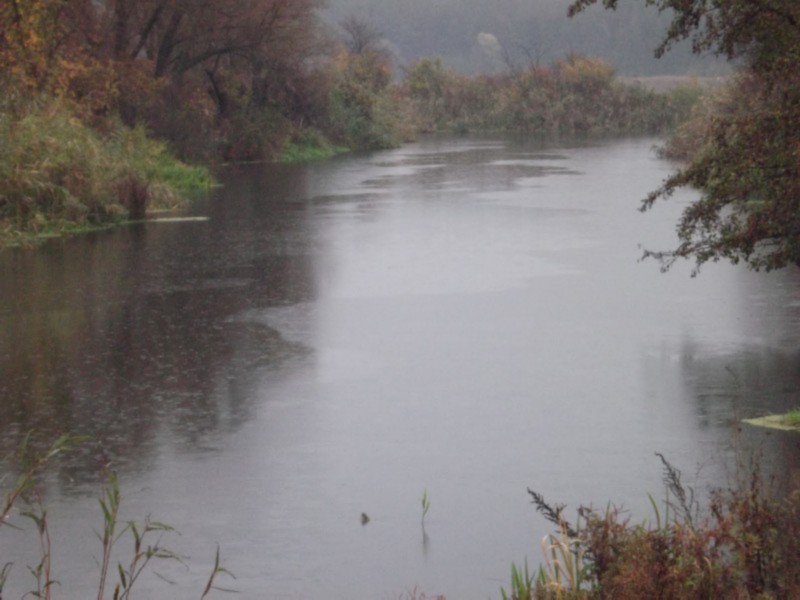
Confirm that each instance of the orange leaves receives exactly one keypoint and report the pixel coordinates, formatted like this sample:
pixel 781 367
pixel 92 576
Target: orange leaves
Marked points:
pixel 36 39
pixel 578 69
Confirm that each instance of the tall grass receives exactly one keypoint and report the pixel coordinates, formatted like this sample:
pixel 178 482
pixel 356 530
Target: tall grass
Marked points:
pixel 25 501
pixel 57 173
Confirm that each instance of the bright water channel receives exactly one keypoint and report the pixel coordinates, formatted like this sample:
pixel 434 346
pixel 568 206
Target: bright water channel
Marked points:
pixel 462 316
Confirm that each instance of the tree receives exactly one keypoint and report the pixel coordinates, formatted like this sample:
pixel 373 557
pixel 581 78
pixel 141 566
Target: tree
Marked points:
pixel 748 164
pixel 241 68
pixel 37 39
pixel 360 35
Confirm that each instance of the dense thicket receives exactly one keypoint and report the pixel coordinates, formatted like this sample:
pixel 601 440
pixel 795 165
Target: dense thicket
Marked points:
pixel 81 81
pixel 746 157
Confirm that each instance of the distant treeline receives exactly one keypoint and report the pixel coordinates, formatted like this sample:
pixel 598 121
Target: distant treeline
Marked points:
pixel 574 95
pixel 86 86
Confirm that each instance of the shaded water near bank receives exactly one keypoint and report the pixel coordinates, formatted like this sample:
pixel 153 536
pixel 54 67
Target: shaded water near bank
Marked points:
pixel 462 316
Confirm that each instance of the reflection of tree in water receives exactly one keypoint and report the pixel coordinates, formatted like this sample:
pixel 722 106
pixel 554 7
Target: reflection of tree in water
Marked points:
pixel 751 368
pixel 727 387
pixel 131 337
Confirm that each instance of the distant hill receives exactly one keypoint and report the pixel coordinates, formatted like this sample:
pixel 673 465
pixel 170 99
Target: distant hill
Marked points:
pixel 527 31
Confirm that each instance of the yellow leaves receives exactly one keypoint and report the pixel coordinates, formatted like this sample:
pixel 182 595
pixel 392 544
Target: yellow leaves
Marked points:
pixel 585 70
pixel 33 35
pixel 33 40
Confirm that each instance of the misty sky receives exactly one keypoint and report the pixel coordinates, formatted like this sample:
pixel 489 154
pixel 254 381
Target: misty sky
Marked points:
pixel 527 31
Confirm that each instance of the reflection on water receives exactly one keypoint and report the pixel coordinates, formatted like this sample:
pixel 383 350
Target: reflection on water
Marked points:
pixel 466 317
pixel 130 337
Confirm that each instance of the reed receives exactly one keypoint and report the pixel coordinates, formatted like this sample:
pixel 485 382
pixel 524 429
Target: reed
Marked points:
pixel 426 506
pixel 25 499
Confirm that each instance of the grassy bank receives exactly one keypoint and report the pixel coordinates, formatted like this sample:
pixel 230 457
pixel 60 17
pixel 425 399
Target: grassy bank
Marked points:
pixel 58 175
pixel 309 145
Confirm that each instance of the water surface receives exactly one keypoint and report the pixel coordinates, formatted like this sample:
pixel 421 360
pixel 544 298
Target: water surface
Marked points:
pixel 466 317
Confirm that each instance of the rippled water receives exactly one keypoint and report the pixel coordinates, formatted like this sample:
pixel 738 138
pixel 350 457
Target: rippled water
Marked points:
pixel 466 317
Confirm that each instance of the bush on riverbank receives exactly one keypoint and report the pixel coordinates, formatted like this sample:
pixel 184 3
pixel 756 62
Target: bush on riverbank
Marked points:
pixel 745 546
pixel 576 95
pixel 57 174
pixel 363 112
pixel 686 141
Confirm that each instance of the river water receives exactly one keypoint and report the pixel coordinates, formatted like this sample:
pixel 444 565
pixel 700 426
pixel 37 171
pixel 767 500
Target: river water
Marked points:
pixel 462 317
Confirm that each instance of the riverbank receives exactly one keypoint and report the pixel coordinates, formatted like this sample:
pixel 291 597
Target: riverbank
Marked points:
pixel 59 176
pixel 63 174
pixel 70 101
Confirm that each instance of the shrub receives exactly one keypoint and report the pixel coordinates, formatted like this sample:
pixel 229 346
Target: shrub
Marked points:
pixel 695 128
pixel 745 545
pixel 577 94
pixel 362 113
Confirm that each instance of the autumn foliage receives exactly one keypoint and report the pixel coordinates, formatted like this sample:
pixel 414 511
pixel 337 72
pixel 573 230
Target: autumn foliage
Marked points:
pixel 575 95
pixel 246 80
pixel 742 544
pixel 175 66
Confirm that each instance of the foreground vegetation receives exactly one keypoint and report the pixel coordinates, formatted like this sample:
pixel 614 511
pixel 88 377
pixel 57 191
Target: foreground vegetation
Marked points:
pixel 145 540
pixel 744 544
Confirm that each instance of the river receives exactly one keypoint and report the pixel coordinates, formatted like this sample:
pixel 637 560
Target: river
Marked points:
pixel 462 317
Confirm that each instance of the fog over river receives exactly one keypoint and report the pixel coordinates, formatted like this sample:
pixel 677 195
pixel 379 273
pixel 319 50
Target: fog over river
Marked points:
pixel 462 316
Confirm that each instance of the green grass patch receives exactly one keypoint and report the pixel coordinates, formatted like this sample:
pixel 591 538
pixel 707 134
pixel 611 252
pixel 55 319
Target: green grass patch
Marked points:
pixel 309 145
pixel 792 417
pixel 156 164
pixel 789 421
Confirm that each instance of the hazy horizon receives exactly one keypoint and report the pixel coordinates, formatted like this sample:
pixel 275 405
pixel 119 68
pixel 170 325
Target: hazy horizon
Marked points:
pixel 527 31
